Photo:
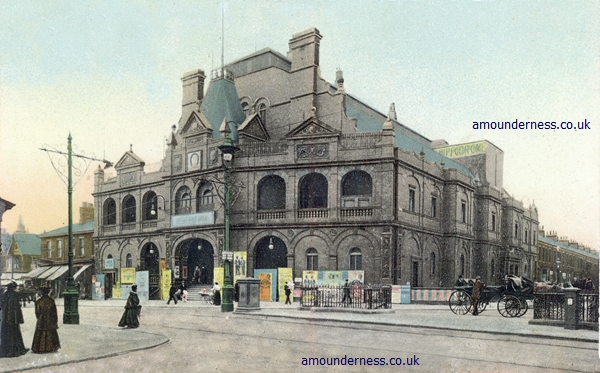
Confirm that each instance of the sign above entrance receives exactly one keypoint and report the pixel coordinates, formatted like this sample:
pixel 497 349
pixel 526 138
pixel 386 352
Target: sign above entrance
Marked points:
pixel 200 218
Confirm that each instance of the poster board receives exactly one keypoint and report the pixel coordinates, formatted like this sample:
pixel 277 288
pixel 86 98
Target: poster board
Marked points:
pixel 127 275
pixel 142 280
pixel 240 259
pixel 283 276
pixel 98 287
pixel 268 284
pixel 219 276
pixel 165 283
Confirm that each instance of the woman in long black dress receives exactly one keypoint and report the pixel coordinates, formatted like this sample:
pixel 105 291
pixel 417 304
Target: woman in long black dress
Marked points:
pixel 11 340
pixel 45 338
pixel 132 310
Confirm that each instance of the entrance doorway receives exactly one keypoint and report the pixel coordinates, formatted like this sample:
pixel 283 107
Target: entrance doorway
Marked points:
pixel 194 253
pixel 150 263
pixel 415 274
pixel 271 253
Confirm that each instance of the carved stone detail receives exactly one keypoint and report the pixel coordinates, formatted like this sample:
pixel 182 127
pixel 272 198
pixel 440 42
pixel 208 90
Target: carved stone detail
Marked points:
pixel 312 151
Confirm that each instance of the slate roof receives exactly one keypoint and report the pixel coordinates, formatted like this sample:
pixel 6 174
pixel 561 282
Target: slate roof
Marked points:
pixel 29 244
pixel 222 101
pixel 77 228
pixel 563 245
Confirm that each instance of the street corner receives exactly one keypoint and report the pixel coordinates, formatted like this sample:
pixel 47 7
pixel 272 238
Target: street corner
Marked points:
pixel 86 342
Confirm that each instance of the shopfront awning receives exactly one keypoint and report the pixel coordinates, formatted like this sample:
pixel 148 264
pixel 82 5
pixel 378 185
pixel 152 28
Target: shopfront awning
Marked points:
pixel 81 270
pixel 59 272
pixel 36 272
pixel 45 272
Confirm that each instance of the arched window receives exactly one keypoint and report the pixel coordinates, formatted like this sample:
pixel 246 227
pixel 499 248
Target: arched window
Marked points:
pixel 432 263
pixel 462 264
pixel 109 212
pixel 183 201
pixel 129 209
pixel 357 189
pixel 205 197
pixel 313 191
pixel 246 108
pixel 129 261
pixel 312 260
pixel 271 193
pixel 59 249
pixel 355 259
pixel 148 205
pixel 262 112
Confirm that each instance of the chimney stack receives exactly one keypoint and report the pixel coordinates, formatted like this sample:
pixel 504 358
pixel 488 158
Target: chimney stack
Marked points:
pixel 193 87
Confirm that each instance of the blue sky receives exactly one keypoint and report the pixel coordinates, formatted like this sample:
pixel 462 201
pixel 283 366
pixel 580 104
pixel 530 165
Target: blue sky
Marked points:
pixel 109 72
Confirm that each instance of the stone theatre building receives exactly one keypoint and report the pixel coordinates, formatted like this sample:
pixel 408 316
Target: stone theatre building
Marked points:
pixel 322 181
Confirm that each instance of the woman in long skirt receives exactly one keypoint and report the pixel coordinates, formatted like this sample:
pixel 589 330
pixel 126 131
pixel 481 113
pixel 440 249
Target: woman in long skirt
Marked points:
pixel 216 294
pixel 132 310
pixel 45 338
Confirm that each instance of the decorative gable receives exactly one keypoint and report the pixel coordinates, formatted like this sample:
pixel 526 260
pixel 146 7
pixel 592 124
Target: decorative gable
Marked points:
pixel 312 128
pixel 253 129
pixel 196 124
pixel 129 160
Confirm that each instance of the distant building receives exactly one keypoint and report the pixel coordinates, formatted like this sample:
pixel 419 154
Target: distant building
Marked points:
pixel 4 238
pixel 23 253
pixel 568 259
pixel 322 181
pixel 53 268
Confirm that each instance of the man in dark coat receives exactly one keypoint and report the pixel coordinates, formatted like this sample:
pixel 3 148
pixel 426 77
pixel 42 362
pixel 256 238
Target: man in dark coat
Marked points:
pixel 11 340
pixel 172 296
pixel 476 294
pixel 45 338
pixel 132 310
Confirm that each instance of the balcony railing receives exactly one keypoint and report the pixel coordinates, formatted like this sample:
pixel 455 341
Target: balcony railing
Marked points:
pixel 313 213
pixel 356 212
pixel 272 214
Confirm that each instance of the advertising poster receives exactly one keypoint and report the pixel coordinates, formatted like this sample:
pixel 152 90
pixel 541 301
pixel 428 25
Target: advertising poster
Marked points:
pixel 125 290
pixel 116 291
pixel 239 264
pixel 98 287
pixel 219 276
pixel 268 284
pixel 309 278
pixel 283 276
pixel 354 277
pixel 331 278
pixel 127 275
pixel 142 280
pixel 165 283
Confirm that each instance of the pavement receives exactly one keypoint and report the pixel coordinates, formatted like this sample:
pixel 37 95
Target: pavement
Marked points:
pixel 103 341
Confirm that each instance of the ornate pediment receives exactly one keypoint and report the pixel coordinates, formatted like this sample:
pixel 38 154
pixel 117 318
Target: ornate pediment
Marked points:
pixel 311 128
pixel 129 160
pixel 253 129
pixel 196 124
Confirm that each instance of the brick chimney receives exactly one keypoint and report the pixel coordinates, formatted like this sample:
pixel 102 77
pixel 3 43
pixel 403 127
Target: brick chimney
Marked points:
pixel 86 212
pixel 304 49
pixel 193 87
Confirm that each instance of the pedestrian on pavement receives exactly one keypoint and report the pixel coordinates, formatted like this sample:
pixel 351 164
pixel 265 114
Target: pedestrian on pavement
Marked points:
pixel 476 294
pixel 197 275
pixel 45 338
pixel 132 310
pixel 461 281
pixel 216 294
pixel 172 295
pixel 236 292
pixel 346 297
pixel 11 340
pixel 289 287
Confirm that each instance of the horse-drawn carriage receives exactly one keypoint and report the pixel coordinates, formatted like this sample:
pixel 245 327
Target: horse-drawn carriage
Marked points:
pixel 512 297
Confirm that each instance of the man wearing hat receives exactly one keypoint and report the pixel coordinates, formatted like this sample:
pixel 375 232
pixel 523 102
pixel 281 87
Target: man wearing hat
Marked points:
pixel 11 340
pixel 476 294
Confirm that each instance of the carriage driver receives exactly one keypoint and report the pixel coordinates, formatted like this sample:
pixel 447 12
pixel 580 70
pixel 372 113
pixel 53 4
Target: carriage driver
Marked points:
pixel 476 294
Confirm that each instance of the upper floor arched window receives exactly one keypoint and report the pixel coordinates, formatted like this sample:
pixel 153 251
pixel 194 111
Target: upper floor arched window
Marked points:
pixel 149 205
pixel 129 207
pixel 109 212
pixel 271 193
pixel 313 191
pixel 262 112
pixel 183 201
pixel 312 260
pixel 357 189
pixel 205 197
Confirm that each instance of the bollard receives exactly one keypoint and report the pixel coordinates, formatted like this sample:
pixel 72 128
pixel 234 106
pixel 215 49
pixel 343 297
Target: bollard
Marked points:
pixel 571 314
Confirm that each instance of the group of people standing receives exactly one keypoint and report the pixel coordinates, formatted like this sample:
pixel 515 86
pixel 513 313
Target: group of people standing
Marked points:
pixel 45 338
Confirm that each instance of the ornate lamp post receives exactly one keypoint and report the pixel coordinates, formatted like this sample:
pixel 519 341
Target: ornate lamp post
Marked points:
pixel 228 151
pixel 71 295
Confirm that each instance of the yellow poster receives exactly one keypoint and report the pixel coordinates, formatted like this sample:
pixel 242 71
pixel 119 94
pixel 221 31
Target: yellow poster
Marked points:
pixel 309 278
pixel 239 265
pixel 127 275
pixel 284 275
pixel 219 276
pixel 116 291
pixel 165 283
pixel 265 286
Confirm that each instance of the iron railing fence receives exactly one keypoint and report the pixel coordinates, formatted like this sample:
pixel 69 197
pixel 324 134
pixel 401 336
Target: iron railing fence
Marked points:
pixel 549 306
pixel 356 296
pixel 587 307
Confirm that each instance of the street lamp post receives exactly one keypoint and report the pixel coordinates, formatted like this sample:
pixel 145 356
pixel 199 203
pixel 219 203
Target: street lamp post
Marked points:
pixel 228 150
pixel 557 269
pixel 71 295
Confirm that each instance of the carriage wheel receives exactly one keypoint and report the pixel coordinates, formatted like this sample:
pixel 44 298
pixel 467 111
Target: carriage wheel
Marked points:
pixel 481 306
pixel 509 306
pixel 460 302
pixel 524 307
